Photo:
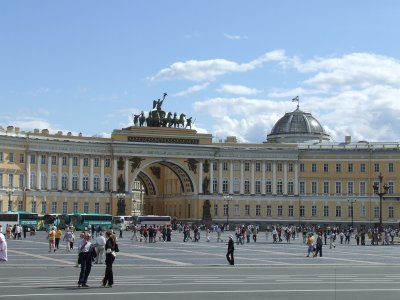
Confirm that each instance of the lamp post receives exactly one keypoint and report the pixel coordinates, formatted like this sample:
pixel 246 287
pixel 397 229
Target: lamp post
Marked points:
pixel 380 190
pixel 121 204
pixel 9 192
pixel 134 207
pixel 352 201
pixel 227 199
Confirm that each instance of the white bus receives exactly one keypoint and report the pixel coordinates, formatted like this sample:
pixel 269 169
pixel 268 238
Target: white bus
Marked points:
pixel 124 221
pixel 153 220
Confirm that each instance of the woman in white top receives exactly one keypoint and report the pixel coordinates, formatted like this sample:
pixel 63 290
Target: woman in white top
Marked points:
pixel 3 248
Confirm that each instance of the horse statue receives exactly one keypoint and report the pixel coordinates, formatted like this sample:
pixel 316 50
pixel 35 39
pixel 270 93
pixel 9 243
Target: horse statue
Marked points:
pixel 167 120
pixel 135 119
pixel 181 120
pixel 189 123
pixel 149 120
pixel 142 119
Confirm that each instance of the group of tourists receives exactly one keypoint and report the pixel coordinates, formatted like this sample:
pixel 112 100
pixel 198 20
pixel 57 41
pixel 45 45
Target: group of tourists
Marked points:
pixel 151 233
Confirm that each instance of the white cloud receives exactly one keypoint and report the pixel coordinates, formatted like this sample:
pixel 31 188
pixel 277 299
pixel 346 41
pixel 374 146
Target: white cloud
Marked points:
pixel 209 70
pixel 234 37
pixel 192 89
pixel 237 90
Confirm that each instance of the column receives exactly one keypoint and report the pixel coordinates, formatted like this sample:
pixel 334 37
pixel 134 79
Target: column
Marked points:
pixel 231 179
pixel 200 190
pixel 127 175
pixel 274 178
pixel 114 178
pixel 263 192
pixel 102 175
pixel 211 177
pixel 296 178
pixel 91 176
pixel 285 180
pixel 39 172
pixel 70 175
pixel 241 177
pixel 81 173
pixel 49 173
pixel 28 171
pixel 252 187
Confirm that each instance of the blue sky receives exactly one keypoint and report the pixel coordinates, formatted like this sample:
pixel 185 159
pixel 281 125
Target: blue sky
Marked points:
pixel 234 66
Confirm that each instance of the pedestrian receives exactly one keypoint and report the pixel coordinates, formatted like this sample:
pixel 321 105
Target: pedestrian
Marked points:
pixel 67 238
pixel 52 238
pixel 85 260
pixel 3 248
pixel 100 243
pixel 310 244
pixel 318 246
pixel 231 249
pixel 111 249
pixel 58 237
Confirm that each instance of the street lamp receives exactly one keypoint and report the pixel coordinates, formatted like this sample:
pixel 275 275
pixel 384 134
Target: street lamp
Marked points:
pixel 351 201
pixel 9 192
pixel 380 190
pixel 121 204
pixel 227 199
pixel 134 207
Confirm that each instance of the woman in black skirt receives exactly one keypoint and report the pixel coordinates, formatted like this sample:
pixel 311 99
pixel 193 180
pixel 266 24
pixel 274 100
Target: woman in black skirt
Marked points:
pixel 110 248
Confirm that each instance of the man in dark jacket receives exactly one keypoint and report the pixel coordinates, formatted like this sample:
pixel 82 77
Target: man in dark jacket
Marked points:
pixel 231 248
pixel 318 246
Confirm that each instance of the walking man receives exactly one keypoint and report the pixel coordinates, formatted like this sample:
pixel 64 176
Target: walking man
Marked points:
pixel 231 248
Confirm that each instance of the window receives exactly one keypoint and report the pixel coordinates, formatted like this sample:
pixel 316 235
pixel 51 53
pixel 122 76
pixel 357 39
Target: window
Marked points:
pixel 75 208
pixel 43 181
pixel 108 209
pixel 85 182
pixel 350 168
pixel 65 208
pixel 11 181
pixel 302 186
pixel 314 189
pixel 302 169
pixel 33 206
pixel 290 168
pixel 86 207
pixel 338 211
pixel 21 158
pixel 237 210
pixel 1 156
pixel 376 212
pixel 107 163
pixel 362 188
pixel 326 187
pixel 215 166
pixel 75 161
pixel 350 211
pixel 44 208
pixel 268 167
pixel 279 167
pixel 391 187
pixel 236 185
pixel 362 168
pixel 33 180
pixel 75 186
pixel 53 181
pixel 96 181
pixel 225 209
pixel 247 210
pixel 215 210
pixel 246 166
pixel 1 181
pixel 11 157
pixel 268 186
pixel 64 160
pixel 20 205
pixel 338 168
pixel 350 187
pixel 363 212
pixel 290 188
pixel 290 211
pixel 313 211
pixel 33 158
pixel 326 168
pixel 302 211
pixel 64 182
pixel 97 208
pixel 215 185
pixel 269 210
pixel 96 162
pixel 1 205
pixel 258 187
pixel 86 162
pixel 376 167
pixel 391 212
pixel 225 186
pixel 43 159
pixel 338 187
pixel 258 167
pixel 280 211
pixel 279 187
pixel 107 184
pixel 326 211
pixel 314 168
pixel 258 210
pixel 247 186
pixel 390 168
pixel 225 166
pixel 54 207
pixel 54 160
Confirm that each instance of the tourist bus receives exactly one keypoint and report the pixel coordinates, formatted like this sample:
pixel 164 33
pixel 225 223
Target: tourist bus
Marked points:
pixel 124 221
pixel 81 221
pixel 23 218
pixel 153 220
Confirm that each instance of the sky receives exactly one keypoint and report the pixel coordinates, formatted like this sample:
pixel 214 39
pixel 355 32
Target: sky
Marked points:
pixel 233 66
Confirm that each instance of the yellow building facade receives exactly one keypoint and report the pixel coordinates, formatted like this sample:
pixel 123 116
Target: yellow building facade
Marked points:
pixel 184 174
